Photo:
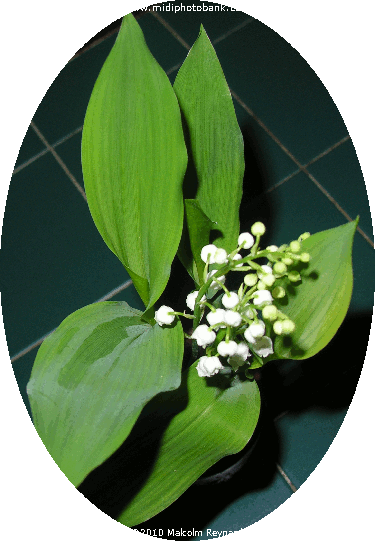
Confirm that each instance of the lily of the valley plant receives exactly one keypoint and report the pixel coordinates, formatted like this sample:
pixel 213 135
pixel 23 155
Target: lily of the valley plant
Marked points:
pixel 108 370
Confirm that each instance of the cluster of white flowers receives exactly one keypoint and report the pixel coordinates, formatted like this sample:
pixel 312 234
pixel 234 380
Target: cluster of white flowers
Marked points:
pixel 239 328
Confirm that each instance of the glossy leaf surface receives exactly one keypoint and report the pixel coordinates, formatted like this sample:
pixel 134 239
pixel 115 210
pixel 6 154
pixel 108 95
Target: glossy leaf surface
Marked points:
pixel 205 421
pixel 92 377
pixel 215 138
pixel 133 160
pixel 319 303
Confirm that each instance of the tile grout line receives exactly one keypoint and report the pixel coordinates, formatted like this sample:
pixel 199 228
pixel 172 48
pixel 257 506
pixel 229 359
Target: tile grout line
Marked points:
pixel 301 167
pixel 286 478
pixel 94 44
pixel 35 344
pixel 170 29
pixel 59 160
pixel 328 150
pixel 46 150
pixel 233 30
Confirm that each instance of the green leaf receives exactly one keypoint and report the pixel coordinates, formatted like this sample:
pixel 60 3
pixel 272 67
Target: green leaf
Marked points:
pixel 206 420
pixel 215 138
pixel 196 235
pixel 319 303
pixel 92 377
pixel 133 160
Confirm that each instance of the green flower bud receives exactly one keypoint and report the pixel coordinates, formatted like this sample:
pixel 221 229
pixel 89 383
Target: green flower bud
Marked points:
pixel 278 327
pixel 251 279
pixel 268 280
pixel 272 248
pixel 287 260
pixel 288 326
pixel 294 246
pixel 279 268
pixel 305 257
pixel 304 236
pixel 261 285
pixel 258 229
pixel 278 292
pixel 270 312
pixel 294 276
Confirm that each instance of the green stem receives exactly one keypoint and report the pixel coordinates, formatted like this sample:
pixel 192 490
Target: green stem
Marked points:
pixel 203 290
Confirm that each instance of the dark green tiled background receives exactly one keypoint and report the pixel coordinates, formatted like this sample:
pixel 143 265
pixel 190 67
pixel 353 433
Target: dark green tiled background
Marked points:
pixel 301 174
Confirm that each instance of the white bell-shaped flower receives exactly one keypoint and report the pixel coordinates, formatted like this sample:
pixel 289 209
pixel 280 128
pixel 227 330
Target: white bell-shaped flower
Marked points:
pixel 191 298
pixel 220 256
pixel 266 269
pixel 203 335
pixel 226 349
pixel 216 317
pixel 262 297
pixel 231 300
pixel 249 311
pixel 263 346
pixel 214 285
pixel 240 357
pixel 208 366
pixel 232 318
pixel 163 317
pixel 247 238
pixel 208 253
pixel 254 331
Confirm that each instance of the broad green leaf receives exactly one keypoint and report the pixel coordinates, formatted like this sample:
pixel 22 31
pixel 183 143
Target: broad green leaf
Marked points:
pixel 215 138
pixel 92 377
pixel 196 235
pixel 319 303
pixel 208 421
pixel 133 160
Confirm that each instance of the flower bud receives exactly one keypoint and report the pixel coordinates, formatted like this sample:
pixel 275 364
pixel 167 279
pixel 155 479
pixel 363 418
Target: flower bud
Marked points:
pixel 272 248
pixel 231 300
pixel 304 236
pixel 278 327
pixel 255 331
pixel 269 280
pixel 266 269
pixel 262 297
pixel 203 335
pixel 258 229
pixel 288 326
pixel 247 239
pixel 216 317
pixel 191 298
pixel 250 279
pixel 163 317
pixel 278 292
pixel 208 366
pixel 287 261
pixel 270 312
pixel 294 276
pixel 226 349
pixel 279 268
pixel 220 256
pixel 294 246
pixel 233 319
pixel 304 257
pixel 208 253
